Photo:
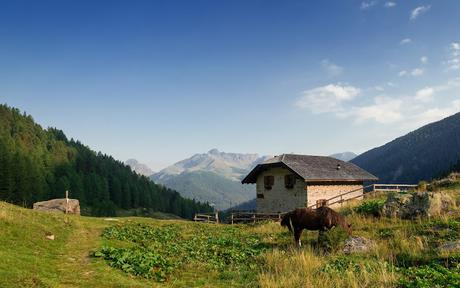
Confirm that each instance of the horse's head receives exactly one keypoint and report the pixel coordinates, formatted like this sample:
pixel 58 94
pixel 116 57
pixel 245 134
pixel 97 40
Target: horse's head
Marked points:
pixel 286 221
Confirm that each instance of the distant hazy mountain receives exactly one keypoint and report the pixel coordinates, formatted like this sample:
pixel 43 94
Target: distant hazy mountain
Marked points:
pixel 139 168
pixel 419 155
pixel 245 206
pixel 214 177
pixel 344 156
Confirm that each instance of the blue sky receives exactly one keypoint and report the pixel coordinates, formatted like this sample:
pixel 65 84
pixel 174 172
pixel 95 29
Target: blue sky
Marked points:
pixel 161 80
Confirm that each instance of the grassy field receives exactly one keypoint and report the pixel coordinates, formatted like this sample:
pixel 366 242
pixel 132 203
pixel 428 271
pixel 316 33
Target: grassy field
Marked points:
pixel 143 252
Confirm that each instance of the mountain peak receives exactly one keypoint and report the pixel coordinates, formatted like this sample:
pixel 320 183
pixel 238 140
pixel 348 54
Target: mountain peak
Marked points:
pixel 214 151
pixel 139 168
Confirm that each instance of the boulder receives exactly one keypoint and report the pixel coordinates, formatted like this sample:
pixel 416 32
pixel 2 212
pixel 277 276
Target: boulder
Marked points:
pixel 412 205
pixel 357 244
pixel 59 205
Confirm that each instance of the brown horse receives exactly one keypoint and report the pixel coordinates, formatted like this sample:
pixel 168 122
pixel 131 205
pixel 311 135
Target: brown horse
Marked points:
pixel 322 219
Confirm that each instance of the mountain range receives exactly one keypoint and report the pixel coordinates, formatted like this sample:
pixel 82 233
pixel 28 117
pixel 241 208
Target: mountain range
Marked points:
pixel 422 154
pixel 213 177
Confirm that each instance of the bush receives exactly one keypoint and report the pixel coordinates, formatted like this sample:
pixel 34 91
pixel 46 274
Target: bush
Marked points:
pixel 332 240
pixel 370 208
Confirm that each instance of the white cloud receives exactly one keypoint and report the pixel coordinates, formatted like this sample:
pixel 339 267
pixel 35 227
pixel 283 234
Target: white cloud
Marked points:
pixel 402 73
pixel 417 72
pixel 404 112
pixel 425 94
pixel 453 63
pixel 390 4
pixel 405 41
pixel 419 11
pixel 367 4
pixel 327 99
pixel 331 68
pixel 424 59
pixel 383 110
pixel 434 114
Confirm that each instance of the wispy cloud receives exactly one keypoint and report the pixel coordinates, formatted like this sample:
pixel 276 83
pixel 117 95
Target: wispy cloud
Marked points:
pixel 424 59
pixel 390 4
pixel 414 14
pixel 425 94
pixel 453 63
pixel 417 72
pixel 327 99
pixel 331 68
pixel 405 41
pixel 414 72
pixel 407 111
pixel 383 110
pixel 367 4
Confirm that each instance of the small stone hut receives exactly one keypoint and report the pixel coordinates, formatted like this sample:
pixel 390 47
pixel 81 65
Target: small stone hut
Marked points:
pixel 290 181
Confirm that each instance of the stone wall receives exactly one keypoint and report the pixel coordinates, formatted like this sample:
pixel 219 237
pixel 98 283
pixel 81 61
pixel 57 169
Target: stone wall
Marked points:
pixel 279 198
pixel 325 191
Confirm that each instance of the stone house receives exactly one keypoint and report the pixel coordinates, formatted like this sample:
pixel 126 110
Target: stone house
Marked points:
pixel 290 181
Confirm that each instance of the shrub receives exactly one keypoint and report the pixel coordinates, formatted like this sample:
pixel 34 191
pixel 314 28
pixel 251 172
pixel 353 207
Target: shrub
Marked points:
pixel 332 240
pixel 370 208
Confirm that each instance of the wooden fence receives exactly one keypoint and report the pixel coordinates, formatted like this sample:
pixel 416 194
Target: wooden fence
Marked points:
pixel 372 191
pixel 253 217
pixel 212 217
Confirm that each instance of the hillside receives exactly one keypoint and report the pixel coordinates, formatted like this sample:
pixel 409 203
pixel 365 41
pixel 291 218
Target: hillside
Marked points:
pixel 144 252
pixel 212 177
pixel 39 164
pixel 420 155
pixel 210 187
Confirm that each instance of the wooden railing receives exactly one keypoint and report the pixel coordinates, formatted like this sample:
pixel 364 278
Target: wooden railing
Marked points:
pixel 253 217
pixel 212 217
pixel 375 188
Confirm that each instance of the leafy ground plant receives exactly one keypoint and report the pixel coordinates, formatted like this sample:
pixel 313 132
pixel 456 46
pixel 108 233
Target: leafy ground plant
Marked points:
pixel 430 276
pixel 155 252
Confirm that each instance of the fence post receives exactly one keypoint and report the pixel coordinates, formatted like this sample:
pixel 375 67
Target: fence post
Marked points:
pixel 232 218
pixel 254 216
pixel 217 217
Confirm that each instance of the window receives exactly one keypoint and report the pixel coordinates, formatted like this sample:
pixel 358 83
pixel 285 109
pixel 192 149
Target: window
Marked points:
pixel 289 181
pixel 269 181
pixel 260 196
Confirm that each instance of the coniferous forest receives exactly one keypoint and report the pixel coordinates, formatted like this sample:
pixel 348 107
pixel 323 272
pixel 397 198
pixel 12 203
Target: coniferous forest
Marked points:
pixel 38 164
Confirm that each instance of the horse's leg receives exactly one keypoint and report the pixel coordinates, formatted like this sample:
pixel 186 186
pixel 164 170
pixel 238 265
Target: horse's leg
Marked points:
pixel 297 234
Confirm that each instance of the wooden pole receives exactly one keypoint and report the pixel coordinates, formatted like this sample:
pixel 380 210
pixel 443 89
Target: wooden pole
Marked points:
pixel 67 202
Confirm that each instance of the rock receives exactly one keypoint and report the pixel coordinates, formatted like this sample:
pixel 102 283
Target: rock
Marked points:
pixel 49 236
pixel 357 244
pixel 59 205
pixel 396 204
pixel 450 246
pixel 412 205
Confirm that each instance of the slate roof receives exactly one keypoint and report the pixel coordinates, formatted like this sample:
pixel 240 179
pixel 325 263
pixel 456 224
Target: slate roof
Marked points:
pixel 313 168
